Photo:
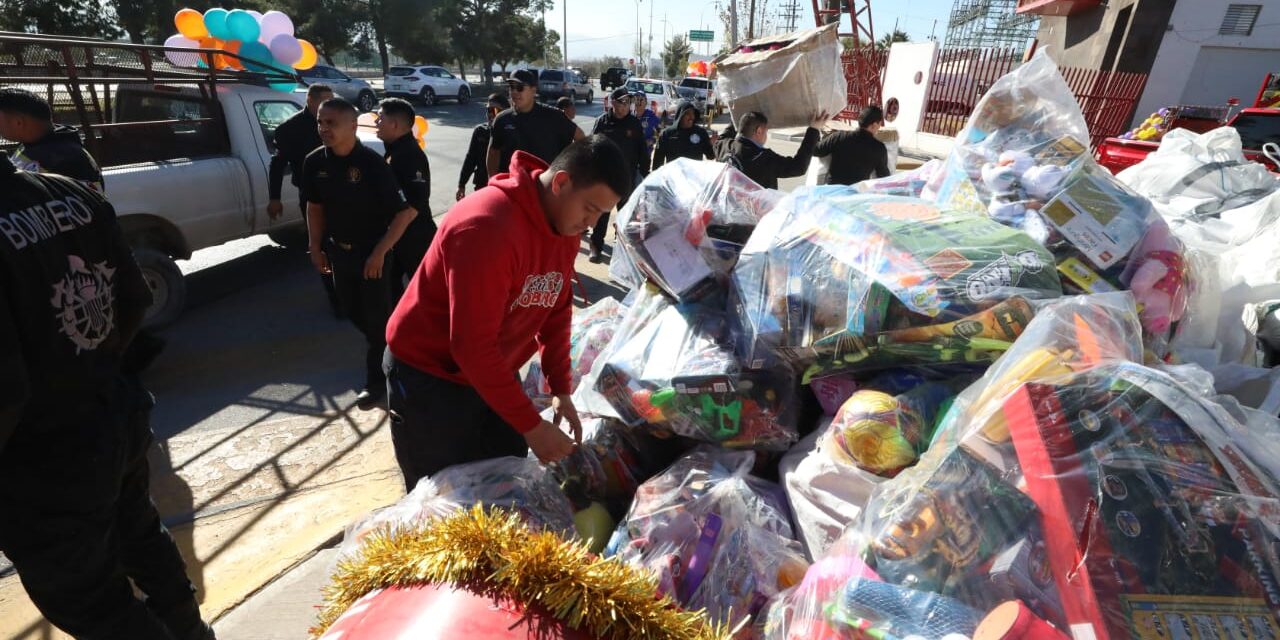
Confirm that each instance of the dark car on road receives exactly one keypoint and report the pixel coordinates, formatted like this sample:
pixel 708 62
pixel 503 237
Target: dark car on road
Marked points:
pixel 559 83
pixel 613 77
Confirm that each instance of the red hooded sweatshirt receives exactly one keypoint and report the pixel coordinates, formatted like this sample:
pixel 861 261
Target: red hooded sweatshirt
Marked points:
pixel 493 289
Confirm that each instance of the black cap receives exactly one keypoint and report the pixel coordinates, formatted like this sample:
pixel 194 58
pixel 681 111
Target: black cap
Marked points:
pixel 524 76
pixel 620 92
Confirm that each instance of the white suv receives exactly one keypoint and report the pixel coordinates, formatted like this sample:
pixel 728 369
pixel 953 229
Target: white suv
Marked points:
pixel 429 83
pixel 661 94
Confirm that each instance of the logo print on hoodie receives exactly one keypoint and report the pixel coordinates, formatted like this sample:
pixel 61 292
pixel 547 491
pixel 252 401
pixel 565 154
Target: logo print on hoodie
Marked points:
pixel 540 290
pixel 83 302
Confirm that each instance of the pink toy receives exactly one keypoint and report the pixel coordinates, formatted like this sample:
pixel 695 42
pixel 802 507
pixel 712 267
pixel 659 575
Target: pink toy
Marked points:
pixel 1158 277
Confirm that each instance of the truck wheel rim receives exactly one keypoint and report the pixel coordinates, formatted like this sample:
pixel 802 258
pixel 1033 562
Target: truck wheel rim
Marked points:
pixel 159 290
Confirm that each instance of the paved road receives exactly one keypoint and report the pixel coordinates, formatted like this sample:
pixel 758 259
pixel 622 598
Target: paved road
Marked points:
pixel 257 342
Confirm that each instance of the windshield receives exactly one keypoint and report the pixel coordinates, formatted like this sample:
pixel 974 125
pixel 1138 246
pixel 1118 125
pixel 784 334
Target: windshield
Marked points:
pixel 551 76
pixel 647 87
pixel 1257 130
pixel 695 83
pixel 400 71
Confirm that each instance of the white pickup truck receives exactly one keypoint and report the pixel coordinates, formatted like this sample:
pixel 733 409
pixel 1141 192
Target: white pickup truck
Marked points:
pixel 184 156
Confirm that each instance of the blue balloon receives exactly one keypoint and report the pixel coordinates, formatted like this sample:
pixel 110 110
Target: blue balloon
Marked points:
pixel 257 57
pixel 287 87
pixel 241 25
pixel 215 20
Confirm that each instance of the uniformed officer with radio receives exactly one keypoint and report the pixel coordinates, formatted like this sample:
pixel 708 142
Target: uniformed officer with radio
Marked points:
pixel 355 216
pixel 76 515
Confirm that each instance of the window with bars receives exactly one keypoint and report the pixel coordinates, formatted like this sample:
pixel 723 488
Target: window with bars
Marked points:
pixel 1240 19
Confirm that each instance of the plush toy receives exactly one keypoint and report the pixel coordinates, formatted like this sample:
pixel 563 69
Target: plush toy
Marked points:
pixel 1158 277
pixel 1043 181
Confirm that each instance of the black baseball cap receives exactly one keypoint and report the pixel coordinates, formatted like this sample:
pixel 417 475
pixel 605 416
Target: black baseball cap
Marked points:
pixel 524 76
pixel 619 93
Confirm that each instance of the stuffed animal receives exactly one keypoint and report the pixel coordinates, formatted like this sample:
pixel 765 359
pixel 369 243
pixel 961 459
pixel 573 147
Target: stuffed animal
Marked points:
pixel 1158 278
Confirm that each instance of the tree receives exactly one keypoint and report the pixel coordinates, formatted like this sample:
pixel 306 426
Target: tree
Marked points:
pixel 498 31
pixel 330 25
pixel 889 38
pixel 146 20
pixel 675 56
pixel 60 17
pixel 419 33
pixel 552 54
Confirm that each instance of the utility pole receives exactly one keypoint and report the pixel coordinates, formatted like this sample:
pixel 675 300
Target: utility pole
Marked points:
pixel 649 54
pixel 564 35
pixel 664 47
pixel 751 21
pixel 933 29
pixel 733 24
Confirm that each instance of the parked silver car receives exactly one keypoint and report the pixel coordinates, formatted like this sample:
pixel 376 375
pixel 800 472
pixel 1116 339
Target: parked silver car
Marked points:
pixel 558 83
pixel 354 90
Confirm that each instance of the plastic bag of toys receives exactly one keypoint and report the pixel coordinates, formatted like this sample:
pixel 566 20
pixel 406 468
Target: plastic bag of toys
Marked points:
pixel 906 183
pixel 519 484
pixel 591 332
pixel 671 367
pixel 836 281
pixel 684 226
pixel 714 536
pixel 1072 492
pixel 791 77
pixel 1024 140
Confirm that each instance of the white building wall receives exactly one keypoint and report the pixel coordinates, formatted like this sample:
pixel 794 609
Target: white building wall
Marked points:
pixel 1195 65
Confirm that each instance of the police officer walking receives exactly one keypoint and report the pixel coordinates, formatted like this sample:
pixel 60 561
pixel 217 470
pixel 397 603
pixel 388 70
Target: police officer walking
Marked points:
pixel 27 119
pixel 625 130
pixel 412 172
pixel 684 139
pixel 294 139
pixel 76 516
pixel 528 126
pixel 474 162
pixel 355 216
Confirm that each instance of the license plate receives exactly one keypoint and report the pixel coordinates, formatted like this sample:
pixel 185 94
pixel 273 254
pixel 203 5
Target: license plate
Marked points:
pixel 394 86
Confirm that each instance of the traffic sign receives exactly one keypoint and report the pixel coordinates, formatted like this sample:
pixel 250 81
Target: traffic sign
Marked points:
pixel 701 36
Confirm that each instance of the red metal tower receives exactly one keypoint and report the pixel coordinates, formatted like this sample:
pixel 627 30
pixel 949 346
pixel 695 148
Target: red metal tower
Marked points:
pixel 863 63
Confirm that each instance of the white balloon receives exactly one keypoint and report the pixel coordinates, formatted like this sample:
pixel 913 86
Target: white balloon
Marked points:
pixel 178 58
pixel 257 15
pixel 274 23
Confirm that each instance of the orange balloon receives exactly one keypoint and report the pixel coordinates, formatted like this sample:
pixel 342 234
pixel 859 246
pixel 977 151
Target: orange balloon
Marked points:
pixel 190 23
pixel 420 127
pixel 208 43
pixel 233 46
pixel 309 56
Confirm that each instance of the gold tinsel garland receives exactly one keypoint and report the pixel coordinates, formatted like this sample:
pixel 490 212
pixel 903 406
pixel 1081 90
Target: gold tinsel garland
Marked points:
pixel 495 554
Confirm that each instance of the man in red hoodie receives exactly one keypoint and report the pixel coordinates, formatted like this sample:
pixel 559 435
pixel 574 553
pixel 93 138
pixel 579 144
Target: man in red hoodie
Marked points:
pixel 493 290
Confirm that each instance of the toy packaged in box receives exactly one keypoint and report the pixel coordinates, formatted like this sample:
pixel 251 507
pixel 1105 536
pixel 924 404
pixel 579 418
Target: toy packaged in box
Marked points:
pixel 673 370
pixel 1147 519
pixel 917 287
pixel 591 332
pixel 684 225
pixel 714 536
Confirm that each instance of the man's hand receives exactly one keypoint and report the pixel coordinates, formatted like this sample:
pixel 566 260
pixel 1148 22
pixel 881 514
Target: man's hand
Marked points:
pixel 564 409
pixel 274 209
pixel 549 443
pixel 373 266
pixel 320 261
pixel 820 120
pixel 715 137
pixel 462 193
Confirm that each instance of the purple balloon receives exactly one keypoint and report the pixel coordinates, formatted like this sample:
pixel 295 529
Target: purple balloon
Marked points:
pixel 274 23
pixel 286 49
pixel 178 58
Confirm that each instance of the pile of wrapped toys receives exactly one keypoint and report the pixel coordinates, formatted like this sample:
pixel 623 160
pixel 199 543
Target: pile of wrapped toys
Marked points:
pixel 983 399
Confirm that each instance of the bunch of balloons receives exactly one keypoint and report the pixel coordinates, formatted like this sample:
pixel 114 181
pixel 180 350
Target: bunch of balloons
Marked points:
pixel 264 42
pixel 1153 128
pixel 700 68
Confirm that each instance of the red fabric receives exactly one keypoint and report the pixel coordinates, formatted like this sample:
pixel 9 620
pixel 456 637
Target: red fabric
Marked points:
pixel 493 289
pixel 441 613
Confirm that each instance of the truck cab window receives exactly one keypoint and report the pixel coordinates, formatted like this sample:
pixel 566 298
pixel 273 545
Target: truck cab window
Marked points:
pixel 272 114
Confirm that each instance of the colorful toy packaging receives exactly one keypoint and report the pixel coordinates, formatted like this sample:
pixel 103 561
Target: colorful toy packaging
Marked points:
pixel 917 287
pixel 907 183
pixel 591 332
pixel 715 536
pixel 670 367
pixel 684 226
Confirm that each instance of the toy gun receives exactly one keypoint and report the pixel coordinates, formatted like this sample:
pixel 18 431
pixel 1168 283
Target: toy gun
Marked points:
pixel 719 420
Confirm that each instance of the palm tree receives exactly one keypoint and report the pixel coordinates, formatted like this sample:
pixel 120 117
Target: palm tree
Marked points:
pixel 890 38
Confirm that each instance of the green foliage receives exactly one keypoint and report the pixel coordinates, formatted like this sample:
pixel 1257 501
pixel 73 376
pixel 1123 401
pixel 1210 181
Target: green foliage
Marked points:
pixel 675 56
pixel 63 17
pixel 888 39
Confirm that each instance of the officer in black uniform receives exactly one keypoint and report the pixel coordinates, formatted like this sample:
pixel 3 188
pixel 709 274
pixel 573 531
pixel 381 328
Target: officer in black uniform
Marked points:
pixel 528 126
pixel 355 216
pixel 765 166
pixel 625 130
pixel 474 163
pixel 684 139
pixel 856 155
pixel 294 139
pixel 76 516
pixel 413 174
pixel 46 147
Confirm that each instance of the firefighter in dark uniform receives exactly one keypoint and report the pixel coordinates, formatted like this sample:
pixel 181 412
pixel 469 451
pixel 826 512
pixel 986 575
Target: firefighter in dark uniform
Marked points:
pixel 294 139
pixel 355 216
pixel 27 119
pixel 413 174
pixel 684 139
pixel 76 516
pixel 625 130
pixel 474 163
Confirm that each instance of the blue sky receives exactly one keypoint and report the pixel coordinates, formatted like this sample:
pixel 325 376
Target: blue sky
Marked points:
pixel 608 27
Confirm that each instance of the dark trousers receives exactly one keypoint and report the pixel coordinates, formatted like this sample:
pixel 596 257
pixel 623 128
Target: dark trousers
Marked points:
pixel 436 423
pixel 600 231
pixel 326 279
pixel 78 523
pixel 409 253
pixel 366 302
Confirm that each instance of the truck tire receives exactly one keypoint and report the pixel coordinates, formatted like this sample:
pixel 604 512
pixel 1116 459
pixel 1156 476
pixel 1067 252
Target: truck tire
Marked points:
pixel 366 101
pixel 591 97
pixel 168 288
pixel 428 96
pixel 573 97
pixel 464 95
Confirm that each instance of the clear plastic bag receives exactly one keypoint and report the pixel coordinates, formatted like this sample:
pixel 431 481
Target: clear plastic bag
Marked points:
pixel 671 367
pixel 790 77
pixel 684 226
pixel 1025 138
pixel 836 281
pixel 714 536
pixel 1106 498
pixel 906 183
pixel 590 333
